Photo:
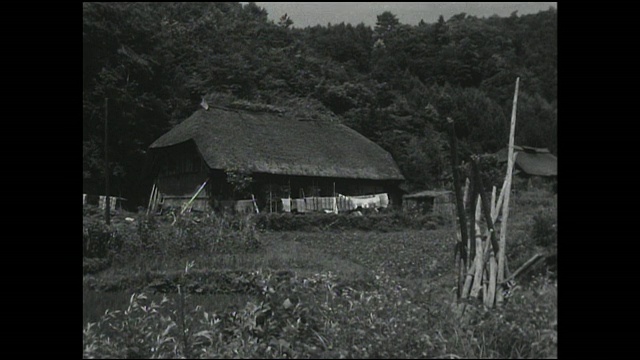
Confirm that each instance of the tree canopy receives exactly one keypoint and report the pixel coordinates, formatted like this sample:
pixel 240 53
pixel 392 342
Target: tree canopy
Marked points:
pixel 395 83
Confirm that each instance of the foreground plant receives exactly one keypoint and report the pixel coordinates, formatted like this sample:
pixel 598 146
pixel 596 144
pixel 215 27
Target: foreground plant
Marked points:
pixel 322 316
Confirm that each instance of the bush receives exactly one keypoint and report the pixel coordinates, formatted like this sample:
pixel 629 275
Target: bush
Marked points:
pixel 98 239
pixel 289 317
pixel 384 221
pixel 211 234
pixel 94 265
pixel 544 231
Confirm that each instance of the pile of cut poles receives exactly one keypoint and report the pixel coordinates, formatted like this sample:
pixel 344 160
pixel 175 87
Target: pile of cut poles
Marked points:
pixel 481 266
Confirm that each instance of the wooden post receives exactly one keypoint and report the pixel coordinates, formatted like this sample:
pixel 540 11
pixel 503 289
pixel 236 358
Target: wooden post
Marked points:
pixel 107 207
pixel 153 190
pixel 255 205
pixel 468 281
pixel 457 263
pixel 489 298
pixel 485 272
pixel 498 206
pixel 472 224
pixel 456 184
pixel 478 260
pixel 486 207
pixel 466 196
pixel 463 265
pixel 475 268
pixel 507 194
pixel 493 204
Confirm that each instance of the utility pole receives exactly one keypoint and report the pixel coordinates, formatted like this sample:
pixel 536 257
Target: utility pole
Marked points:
pixel 107 205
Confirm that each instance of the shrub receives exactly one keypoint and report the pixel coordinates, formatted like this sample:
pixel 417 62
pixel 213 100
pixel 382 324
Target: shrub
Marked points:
pixel 161 238
pixel 384 221
pixel 94 265
pixel 98 239
pixel 320 316
pixel 544 231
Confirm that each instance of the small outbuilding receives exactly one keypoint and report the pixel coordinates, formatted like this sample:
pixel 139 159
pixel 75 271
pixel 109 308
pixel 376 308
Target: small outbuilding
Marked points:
pixel 430 202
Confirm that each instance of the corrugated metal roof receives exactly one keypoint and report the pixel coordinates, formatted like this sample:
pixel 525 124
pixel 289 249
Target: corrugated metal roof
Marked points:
pixel 533 161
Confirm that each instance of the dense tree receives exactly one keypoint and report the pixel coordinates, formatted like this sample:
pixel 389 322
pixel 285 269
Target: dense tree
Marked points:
pixel 394 83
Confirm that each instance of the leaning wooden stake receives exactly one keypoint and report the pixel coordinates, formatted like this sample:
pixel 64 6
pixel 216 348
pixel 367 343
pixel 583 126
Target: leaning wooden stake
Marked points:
pixel 493 203
pixel 186 205
pixel 153 191
pixel 505 208
pixel 461 265
pixel 478 259
pixel 491 291
pixel 524 267
pixel 486 207
pixel 473 191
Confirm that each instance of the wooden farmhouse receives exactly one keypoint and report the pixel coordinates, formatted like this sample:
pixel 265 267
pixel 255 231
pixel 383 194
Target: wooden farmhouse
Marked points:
pixel 268 156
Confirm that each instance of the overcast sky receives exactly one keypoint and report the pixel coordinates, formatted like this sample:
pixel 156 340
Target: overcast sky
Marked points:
pixel 306 14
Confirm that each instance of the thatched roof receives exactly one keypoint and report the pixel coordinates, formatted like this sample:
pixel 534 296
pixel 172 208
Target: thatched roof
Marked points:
pixel 267 142
pixel 533 161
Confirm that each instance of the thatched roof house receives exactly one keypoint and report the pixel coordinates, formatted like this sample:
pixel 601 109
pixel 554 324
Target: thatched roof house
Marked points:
pixel 275 149
pixel 532 161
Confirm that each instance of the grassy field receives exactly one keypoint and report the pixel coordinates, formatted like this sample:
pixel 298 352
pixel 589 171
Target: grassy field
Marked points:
pixel 322 294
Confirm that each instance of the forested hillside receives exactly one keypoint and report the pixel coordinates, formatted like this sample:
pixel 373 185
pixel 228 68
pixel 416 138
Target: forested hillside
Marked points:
pixel 394 83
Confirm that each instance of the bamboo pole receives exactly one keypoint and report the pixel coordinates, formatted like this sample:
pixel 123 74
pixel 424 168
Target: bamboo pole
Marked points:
pixel 486 207
pixel 468 281
pixel 473 206
pixel 154 201
pixel 485 272
pixel 188 203
pixel 467 193
pixel 467 196
pixel 525 266
pixel 153 189
pixel 507 195
pixel 473 266
pixel 478 260
pixel 456 184
pixel 107 199
pixel 493 204
pixel 457 263
pixel 491 291
pixel 255 205
pixel 464 250
pixel 498 206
